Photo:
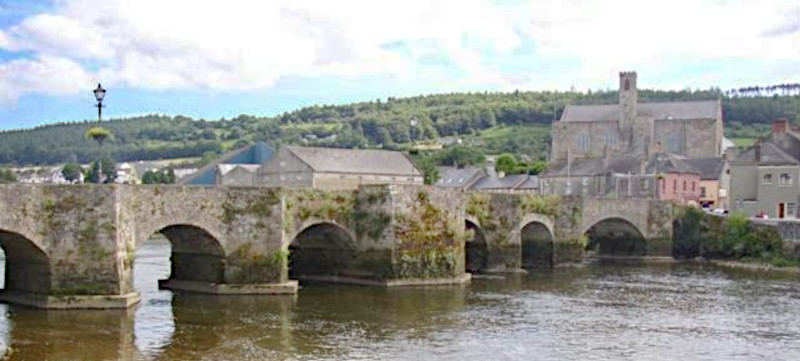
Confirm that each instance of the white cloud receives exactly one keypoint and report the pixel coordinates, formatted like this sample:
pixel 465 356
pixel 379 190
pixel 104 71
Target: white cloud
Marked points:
pixel 247 45
pixel 47 75
pixel 630 34
pixel 250 45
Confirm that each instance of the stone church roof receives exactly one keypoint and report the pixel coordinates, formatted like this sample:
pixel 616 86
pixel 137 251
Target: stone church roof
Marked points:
pixel 705 109
pixel 358 161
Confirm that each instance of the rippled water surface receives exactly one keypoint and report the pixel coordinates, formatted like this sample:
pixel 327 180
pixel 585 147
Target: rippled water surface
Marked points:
pixel 600 312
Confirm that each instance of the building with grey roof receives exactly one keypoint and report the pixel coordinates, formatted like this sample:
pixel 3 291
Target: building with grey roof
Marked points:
pixel 764 177
pixel 334 168
pixel 461 178
pixel 478 179
pixel 689 128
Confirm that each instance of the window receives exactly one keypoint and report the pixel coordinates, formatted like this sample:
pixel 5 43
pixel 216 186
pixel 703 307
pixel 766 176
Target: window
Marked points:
pixel 767 179
pixel 582 142
pixel 684 186
pixel 611 139
pixel 585 181
pixel 663 184
pixel 627 84
pixel 674 143
pixel 674 185
pixel 702 192
pixel 791 210
pixel 692 186
pixel 786 180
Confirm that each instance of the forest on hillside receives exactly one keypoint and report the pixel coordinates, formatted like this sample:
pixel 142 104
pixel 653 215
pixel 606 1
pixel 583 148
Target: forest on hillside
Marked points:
pixel 373 124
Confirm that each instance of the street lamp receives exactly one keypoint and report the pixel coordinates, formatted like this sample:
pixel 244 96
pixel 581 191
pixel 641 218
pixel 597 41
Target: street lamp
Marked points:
pixel 99 94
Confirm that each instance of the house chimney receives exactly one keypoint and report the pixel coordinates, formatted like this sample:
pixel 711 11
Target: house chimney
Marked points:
pixel 780 126
pixel 757 149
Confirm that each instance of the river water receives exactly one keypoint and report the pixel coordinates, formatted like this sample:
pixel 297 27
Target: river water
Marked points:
pixel 597 312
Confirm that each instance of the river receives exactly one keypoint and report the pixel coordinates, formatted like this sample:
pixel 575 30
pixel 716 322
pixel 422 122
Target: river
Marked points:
pixel 597 312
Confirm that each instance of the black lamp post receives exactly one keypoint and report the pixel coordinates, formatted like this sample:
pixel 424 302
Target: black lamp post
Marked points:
pixel 99 94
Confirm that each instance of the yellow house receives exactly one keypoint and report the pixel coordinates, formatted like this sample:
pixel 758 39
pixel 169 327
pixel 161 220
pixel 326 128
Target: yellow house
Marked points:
pixel 714 181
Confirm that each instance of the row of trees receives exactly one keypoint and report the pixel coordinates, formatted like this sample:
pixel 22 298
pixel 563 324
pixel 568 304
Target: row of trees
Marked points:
pixel 385 124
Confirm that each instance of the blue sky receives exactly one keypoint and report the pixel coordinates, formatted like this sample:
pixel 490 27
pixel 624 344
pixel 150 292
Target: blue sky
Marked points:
pixel 215 59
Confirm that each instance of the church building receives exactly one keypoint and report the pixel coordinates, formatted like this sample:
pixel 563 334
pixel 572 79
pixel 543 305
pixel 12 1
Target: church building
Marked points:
pixel 618 149
pixel 689 128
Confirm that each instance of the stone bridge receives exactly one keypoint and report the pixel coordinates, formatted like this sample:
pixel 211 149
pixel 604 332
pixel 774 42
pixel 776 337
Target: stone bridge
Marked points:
pixel 74 246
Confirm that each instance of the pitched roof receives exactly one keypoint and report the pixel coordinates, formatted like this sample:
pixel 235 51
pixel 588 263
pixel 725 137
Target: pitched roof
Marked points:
pixel 670 163
pixel 770 155
pixel 508 182
pixel 359 161
pixel 227 167
pixel 710 168
pixel 705 109
pixel 256 153
pixel 531 183
pixel 452 177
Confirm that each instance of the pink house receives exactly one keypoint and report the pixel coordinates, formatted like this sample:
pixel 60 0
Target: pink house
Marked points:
pixel 677 179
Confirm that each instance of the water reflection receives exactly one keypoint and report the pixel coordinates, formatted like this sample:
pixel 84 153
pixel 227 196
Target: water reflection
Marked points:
pixel 154 323
pixel 598 312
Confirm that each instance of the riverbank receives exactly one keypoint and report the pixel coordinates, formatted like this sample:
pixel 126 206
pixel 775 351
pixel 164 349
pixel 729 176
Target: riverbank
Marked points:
pixel 755 266
pixel 650 260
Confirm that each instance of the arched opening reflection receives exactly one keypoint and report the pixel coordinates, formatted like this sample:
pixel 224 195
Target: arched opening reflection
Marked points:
pixel 475 249
pixel 177 252
pixel 537 246
pixel 616 236
pixel 321 250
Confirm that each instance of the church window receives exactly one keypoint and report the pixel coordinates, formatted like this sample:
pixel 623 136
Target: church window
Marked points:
pixel 674 143
pixel 611 139
pixel 582 142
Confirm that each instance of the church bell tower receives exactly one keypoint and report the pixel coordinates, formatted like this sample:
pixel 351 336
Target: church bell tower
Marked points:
pixel 627 99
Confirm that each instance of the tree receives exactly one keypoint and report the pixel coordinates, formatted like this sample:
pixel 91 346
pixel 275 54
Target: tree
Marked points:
pixel 109 168
pixel 71 172
pixel 93 173
pixel 7 176
pixel 427 166
pixel 461 156
pixel 159 176
pixel 506 163
pixel 102 171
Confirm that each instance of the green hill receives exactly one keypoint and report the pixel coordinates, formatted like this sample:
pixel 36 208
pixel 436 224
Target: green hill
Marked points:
pixel 515 122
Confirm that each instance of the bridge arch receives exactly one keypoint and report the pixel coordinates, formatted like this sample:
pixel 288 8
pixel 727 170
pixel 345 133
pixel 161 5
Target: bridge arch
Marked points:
pixel 536 242
pixel 321 249
pixel 476 251
pixel 27 264
pixel 615 235
pixel 196 255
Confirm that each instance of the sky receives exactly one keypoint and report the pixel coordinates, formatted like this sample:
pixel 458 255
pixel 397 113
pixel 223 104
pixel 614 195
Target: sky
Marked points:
pixel 211 59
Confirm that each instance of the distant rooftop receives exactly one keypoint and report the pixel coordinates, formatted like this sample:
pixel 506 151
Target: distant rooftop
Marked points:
pixel 360 161
pixel 705 109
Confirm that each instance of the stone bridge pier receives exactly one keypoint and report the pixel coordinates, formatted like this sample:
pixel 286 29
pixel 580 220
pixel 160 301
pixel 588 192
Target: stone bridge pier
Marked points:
pixel 509 232
pixel 74 246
